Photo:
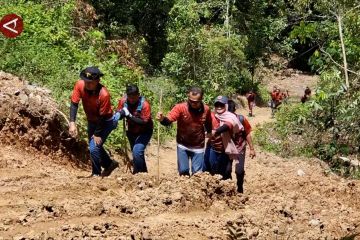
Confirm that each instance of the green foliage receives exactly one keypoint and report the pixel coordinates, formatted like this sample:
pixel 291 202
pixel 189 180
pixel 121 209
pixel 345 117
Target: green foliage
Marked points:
pixel 139 19
pixel 202 54
pixel 49 54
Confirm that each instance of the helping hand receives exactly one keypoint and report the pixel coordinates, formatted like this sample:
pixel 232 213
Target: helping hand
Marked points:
pixel 160 117
pixel 73 130
pixel 126 111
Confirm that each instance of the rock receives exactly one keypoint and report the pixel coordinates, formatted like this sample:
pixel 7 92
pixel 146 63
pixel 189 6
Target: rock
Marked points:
pixel 300 173
pixel 177 196
pixel 314 222
pixel 65 227
pixel 20 237
pixel 97 228
pixel 8 221
pixel 253 232
pixel 146 235
pixel 23 99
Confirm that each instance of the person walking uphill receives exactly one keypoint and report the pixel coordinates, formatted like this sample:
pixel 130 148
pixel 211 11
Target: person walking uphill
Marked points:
pixel 251 102
pixel 241 139
pixel 139 124
pixel 221 149
pixel 193 118
pixel 96 103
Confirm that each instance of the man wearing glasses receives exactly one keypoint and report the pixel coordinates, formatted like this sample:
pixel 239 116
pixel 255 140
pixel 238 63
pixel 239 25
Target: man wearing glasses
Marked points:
pixel 193 118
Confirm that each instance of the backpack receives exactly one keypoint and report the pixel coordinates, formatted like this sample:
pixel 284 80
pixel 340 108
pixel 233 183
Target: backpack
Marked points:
pixel 242 119
pixel 140 105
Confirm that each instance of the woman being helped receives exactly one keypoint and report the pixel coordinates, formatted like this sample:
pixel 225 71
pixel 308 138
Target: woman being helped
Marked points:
pixel 221 148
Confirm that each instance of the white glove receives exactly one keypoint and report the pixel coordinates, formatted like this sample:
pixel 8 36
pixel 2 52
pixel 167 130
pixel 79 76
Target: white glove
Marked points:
pixel 126 111
pixel 116 116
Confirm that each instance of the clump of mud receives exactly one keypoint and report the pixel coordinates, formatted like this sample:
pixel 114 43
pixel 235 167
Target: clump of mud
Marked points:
pixel 30 118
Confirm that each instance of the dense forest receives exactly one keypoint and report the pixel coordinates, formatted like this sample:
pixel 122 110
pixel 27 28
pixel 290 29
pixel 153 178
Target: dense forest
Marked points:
pixel 220 45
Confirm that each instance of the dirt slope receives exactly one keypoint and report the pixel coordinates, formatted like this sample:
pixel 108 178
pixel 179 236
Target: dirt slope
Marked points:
pixel 45 197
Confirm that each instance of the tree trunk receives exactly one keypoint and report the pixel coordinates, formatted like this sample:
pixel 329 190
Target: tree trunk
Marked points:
pixel 339 19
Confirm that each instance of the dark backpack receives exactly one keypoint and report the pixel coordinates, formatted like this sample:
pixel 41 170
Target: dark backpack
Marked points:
pixel 242 120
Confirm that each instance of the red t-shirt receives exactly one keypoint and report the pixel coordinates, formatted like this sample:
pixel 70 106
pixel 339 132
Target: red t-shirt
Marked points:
pixel 145 115
pixel 216 140
pixel 190 125
pixel 240 137
pixel 96 104
pixel 276 96
pixel 251 97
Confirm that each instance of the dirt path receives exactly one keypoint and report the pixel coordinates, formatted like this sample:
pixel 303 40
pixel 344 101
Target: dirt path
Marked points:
pixel 43 197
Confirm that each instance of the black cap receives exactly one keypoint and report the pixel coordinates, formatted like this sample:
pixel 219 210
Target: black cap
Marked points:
pixel 90 74
pixel 221 99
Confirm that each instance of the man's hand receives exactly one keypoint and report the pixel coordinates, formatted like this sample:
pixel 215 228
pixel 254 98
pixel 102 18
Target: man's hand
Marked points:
pixel 98 140
pixel 160 116
pixel 252 153
pixel 126 111
pixel 73 130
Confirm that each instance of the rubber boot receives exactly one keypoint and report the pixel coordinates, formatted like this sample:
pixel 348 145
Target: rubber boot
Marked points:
pixel 240 182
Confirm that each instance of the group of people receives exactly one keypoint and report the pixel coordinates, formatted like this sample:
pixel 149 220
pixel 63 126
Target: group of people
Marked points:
pixel 227 132
pixel 277 98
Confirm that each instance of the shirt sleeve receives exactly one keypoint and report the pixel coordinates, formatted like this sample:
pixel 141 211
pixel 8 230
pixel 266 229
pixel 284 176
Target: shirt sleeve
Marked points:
pixel 175 113
pixel 146 112
pixel 247 126
pixel 105 105
pixel 76 93
pixel 208 122
pixel 120 105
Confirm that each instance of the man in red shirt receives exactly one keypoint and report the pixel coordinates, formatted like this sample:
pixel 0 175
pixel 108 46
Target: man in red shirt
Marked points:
pixel 193 118
pixel 251 102
pixel 276 98
pixel 96 103
pixel 139 124
pixel 241 139
pixel 307 95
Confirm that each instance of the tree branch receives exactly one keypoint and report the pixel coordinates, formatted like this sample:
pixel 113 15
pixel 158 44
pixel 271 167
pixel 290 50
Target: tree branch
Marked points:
pixel 358 6
pixel 338 64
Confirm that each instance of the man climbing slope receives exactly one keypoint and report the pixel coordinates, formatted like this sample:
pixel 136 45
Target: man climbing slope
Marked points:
pixel 193 118
pixel 96 103
pixel 140 126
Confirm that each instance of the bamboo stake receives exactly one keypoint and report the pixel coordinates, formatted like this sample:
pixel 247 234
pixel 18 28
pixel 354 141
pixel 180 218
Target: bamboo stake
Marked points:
pixel 127 160
pixel 158 140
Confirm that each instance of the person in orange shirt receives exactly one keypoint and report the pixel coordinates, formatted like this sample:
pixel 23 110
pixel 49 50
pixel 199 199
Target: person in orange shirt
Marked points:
pixel 251 102
pixel 276 98
pixel 193 118
pixel 96 103
pixel 140 125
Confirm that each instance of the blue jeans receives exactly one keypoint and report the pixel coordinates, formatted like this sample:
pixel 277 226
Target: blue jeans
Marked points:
pixel 138 144
pixel 197 161
pixel 217 162
pixel 99 157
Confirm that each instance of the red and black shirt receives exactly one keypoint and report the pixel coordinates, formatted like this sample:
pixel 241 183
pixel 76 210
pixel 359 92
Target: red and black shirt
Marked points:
pixel 96 104
pixel 144 114
pixel 191 124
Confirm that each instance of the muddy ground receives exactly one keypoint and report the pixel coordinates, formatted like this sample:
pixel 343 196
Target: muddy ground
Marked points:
pixel 44 194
